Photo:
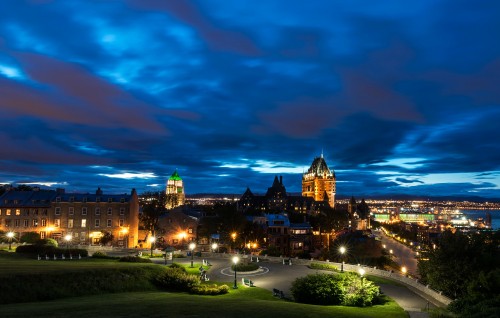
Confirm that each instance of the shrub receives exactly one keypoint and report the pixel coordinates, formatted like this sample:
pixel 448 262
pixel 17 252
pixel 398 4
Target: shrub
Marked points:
pixel 245 267
pixel 179 256
pixel 210 289
pixel 177 280
pixel 178 266
pixel 325 289
pixel 47 241
pixel 50 250
pixel 327 267
pixel 134 259
pixel 103 255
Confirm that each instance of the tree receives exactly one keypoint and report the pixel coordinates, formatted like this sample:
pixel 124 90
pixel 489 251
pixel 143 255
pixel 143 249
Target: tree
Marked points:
pixel 458 259
pixel 106 237
pixel 153 207
pixel 29 237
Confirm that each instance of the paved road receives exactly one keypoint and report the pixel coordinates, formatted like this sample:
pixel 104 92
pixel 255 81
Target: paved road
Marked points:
pixel 402 254
pixel 281 277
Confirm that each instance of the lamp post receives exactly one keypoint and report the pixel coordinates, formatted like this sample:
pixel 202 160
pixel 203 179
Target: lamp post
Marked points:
pixel 214 247
pixel 191 248
pixel 10 235
pixel 361 272
pixel 235 261
pixel 124 232
pixel 403 270
pixel 152 240
pixel 342 251
pixel 68 238
pixel 233 236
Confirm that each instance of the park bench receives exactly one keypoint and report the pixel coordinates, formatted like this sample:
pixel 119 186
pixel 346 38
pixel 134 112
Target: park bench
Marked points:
pixel 247 282
pixel 278 293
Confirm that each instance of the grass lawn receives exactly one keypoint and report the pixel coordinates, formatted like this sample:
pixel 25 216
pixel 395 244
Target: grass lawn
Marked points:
pixel 255 302
pixel 243 302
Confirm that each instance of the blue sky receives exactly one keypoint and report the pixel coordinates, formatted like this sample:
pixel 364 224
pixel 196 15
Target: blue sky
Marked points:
pixel 401 96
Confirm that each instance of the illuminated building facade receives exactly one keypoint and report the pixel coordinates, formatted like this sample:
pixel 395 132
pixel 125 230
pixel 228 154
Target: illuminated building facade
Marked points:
pixel 83 216
pixel 319 182
pixel 175 191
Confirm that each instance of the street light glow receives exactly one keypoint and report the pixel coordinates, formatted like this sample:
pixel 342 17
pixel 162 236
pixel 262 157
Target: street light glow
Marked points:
pixel 68 237
pixel 214 246
pixel 403 269
pixel 361 271
pixel 342 250
pixel 10 235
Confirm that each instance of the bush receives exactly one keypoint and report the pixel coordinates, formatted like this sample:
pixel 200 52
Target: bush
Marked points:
pixel 51 250
pixel 245 267
pixel 47 242
pixel 325 289
pixel 178 266
pixel 102 255
pixel 177 280
pixel 134 259
pixel 210 290
pixel 327 267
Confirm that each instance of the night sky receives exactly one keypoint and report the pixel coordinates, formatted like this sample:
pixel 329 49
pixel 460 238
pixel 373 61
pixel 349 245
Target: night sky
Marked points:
pixel 402 97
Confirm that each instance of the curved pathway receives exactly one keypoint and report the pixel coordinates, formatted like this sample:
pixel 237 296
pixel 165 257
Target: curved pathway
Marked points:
pixel 279 276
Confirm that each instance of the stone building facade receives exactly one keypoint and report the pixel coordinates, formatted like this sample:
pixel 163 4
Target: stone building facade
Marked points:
pixel 319 182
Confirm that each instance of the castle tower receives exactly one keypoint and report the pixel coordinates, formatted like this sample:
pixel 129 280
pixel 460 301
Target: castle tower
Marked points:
pixel 319 182
pixel 175 191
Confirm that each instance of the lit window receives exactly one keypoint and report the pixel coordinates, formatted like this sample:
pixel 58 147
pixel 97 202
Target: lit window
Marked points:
pixel 34 223
pixel 70 223
pixel 7 212
pixel 44 222
pixel 18 211
pixel 57 222
pixel 121 222
pixel 84 222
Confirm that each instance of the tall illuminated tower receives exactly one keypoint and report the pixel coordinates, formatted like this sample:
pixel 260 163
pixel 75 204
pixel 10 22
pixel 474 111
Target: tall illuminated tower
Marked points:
pixel 319 182
pixel 174 191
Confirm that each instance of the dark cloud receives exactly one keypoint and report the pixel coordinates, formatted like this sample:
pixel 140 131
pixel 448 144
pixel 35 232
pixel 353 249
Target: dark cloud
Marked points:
pixel 401 98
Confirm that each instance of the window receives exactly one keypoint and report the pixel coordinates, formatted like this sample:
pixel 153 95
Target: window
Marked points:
pixel 58 199
pixel 82 236
pixel 26 212
pixel 108 223
pixel 122 211
pixel 35 211
pixel 122 200
pixel 7 212
pixel 71 210
pixel 57 222
pixel 18 211
pixel 97 223
pixel 98 199
pixel 97 211
pixel 44 222
pixel 34 223
pixel 110 200
pixel 84 222
pixel 110 211
pixel 17 222
pixel 175 241
pixel 70 223
pixel 121 222
pixel 76 234
pixel 42 235
pixel 44 212
pixel 26 222
pixel 71 199
pixel 190 230
pixel 0 211
pixel 84 211
pixel 58 211
pixel 7 222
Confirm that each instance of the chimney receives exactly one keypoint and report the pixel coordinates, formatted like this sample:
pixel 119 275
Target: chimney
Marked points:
pixel 99 191
pixel 281 180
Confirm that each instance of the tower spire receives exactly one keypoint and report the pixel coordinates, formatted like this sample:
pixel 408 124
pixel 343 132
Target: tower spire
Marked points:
pixel 321 152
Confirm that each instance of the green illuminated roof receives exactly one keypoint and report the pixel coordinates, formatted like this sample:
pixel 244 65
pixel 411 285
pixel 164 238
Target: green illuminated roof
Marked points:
pixel 175 176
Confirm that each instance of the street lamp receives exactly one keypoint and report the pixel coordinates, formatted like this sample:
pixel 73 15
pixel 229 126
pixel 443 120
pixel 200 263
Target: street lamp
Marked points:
pixel 214 247
pixel 68 239
pixel 235 261
pixel 10 235
pixel 361 272
pixel 403 270
pixel 124 232
pixel 342 251
pixel 191 248
pixel 152 240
